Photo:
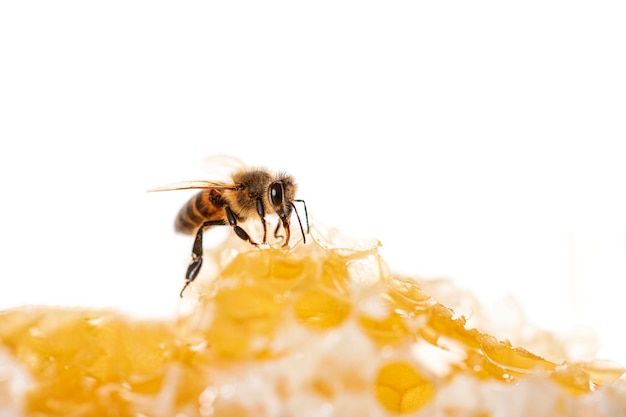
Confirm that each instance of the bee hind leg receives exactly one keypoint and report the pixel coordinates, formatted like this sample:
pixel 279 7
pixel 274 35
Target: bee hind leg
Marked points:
pixel 196 254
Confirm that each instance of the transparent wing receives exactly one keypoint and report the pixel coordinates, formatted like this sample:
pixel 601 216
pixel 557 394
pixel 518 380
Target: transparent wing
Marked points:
pixel 221 167
pixel 199 184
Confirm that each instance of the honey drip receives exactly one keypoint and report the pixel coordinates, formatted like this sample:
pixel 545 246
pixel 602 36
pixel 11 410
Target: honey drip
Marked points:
pixel 320 329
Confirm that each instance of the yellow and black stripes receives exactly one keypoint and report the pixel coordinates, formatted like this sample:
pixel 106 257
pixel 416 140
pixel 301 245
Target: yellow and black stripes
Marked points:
pixel 207 205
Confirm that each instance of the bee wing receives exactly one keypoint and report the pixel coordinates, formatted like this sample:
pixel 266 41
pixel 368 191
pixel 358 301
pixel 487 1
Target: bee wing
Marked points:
pixel 222 167
pixel 201 184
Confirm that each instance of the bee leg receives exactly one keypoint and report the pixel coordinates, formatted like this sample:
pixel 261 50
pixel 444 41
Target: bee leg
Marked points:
pixel 276 231
pixel 285 222
pixel 232 220
pixel 261 211
pixel 277 236
pixel 287 231
pixel 196 254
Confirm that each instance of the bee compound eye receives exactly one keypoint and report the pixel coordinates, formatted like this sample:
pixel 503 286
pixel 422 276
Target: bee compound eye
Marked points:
pixel 276 194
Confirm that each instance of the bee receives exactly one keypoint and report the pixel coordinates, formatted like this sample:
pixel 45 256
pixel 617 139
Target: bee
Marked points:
pixel 251 192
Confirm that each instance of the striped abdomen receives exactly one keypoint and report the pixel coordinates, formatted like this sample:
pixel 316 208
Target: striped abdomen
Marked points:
pixel 204 206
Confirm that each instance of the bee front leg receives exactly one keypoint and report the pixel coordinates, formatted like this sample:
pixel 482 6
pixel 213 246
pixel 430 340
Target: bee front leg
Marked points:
pixel 196 254
pixel 232 220
pixel 261 211
pixel 287 231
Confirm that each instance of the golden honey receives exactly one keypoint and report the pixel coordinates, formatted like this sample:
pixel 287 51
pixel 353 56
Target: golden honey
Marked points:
pixel 317 330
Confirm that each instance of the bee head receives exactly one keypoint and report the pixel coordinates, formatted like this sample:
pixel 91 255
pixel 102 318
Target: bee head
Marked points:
pixel 281 195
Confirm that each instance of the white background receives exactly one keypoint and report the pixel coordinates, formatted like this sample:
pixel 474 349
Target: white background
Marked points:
pixel 478 141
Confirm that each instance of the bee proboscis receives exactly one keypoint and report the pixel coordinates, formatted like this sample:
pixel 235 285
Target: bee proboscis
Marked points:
pixel 251 192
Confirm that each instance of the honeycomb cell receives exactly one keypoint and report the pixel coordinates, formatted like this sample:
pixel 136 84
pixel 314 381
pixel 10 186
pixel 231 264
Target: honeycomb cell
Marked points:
pixel 400 388
pixel 389 330
pixel 319 309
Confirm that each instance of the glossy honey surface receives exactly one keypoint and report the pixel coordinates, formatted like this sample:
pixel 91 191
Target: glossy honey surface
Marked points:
pixel 322 329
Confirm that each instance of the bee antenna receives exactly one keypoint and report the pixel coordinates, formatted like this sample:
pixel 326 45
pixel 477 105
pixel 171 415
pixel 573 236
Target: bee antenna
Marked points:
pixel 306 216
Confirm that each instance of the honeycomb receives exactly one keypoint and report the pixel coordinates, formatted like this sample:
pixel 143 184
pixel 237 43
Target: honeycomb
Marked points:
pixel 319 330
